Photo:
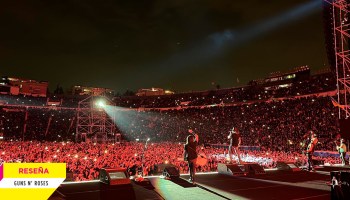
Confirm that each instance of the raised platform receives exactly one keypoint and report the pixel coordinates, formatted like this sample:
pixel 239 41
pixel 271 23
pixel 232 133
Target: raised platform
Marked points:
pixel 275 184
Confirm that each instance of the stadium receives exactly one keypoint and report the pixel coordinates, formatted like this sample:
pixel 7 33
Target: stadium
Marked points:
pixel 292 126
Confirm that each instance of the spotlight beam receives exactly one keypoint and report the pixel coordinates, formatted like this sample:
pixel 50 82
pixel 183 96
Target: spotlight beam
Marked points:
pixel 218 43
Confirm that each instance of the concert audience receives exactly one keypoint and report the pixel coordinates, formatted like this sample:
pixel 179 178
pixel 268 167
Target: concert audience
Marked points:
pixel 84 160
pixel 277 127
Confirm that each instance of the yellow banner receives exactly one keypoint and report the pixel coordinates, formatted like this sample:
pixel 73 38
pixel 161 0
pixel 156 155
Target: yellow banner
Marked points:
pixel 30 180
pixel 34 170
pixel 26 194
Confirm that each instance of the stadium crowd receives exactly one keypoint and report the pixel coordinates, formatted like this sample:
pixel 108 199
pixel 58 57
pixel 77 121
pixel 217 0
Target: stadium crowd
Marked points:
pixel 85 160
pixel 272 125
pixel 277 126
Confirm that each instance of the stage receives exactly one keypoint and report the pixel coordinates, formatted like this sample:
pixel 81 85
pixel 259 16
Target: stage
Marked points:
pixel 275 184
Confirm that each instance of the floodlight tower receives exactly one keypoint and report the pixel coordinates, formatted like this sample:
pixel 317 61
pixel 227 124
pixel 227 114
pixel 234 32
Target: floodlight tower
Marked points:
pixel 92 120
pixel 341 37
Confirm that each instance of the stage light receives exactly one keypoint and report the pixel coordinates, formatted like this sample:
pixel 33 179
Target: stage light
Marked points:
pixel 148 139
pixel 100 103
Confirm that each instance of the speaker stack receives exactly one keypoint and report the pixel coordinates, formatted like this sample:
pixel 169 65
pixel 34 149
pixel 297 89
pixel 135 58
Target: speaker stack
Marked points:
pixel 230 169
pixel 117 176
pixel 171 172
pixel 287 166
pixel 254 168
pixel 239 170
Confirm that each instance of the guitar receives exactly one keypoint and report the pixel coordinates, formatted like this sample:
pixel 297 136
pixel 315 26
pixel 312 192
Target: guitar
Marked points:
pixel 201 159
pixel 312 145
pixel 339 148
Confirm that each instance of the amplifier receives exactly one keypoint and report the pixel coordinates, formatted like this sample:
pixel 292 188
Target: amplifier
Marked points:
pixel 116 176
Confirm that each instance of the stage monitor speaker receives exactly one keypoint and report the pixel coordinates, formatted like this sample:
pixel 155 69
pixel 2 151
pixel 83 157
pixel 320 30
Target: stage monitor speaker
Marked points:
pixel 171 172
pixel 117 176
pixel 253 168
pixel 287 166
pixel 159 169
pixel 318 162
pixel 345 128
pixel 340 189
pixel 230 169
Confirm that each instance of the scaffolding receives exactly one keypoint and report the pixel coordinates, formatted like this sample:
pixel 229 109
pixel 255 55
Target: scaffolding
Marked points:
pixel 341 32
pixel 93 123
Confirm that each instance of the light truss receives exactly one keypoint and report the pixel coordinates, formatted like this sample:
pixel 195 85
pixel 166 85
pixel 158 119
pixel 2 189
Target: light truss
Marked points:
pixel 93 120
pixel 341 32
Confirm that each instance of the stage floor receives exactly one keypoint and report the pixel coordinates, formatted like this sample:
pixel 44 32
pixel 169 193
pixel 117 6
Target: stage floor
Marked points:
pixel 273 185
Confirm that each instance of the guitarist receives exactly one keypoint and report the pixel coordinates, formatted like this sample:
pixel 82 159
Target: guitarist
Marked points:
pixel 190 155
pixel 196 137
pixel 310 150
pixel 342 151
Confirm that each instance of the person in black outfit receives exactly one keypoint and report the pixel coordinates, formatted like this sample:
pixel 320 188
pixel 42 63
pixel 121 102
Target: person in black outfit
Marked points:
pixel 310 150
pixel 190 155
pixel 194 134
pixel 235 141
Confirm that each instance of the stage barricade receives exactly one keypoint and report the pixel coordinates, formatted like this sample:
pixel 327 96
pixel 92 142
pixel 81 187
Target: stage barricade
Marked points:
pixel 329 154
pixel 225 146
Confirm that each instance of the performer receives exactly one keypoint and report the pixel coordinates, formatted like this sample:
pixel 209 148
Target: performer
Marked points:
pixel 342 151
pixel 310 150
pixel 190 155
pixel 235 141
pixel 196 137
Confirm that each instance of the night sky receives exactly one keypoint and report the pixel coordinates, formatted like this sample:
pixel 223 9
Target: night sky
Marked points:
pixel 172 44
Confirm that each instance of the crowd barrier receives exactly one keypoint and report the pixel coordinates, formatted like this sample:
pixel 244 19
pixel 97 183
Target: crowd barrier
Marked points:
pixel 321 154
pixel 329 154
pixel 225 146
